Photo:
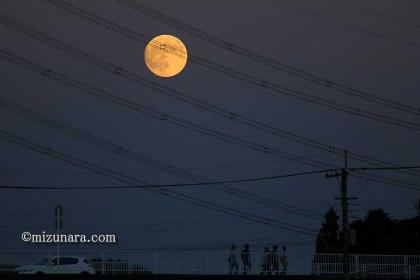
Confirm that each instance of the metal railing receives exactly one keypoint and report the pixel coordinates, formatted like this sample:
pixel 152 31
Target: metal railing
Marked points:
pixel 222 263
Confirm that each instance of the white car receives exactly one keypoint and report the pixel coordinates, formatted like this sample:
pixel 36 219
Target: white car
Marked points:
pixel 61 265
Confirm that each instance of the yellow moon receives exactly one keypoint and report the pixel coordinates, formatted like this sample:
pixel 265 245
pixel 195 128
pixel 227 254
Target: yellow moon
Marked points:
pixel 165 56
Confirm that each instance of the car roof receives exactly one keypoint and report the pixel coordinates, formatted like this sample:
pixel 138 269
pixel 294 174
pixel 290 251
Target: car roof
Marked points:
pixel 65 256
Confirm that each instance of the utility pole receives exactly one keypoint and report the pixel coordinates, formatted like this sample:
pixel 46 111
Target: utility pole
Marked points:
pixel 344 199
pixel 345 214
pixel 343 174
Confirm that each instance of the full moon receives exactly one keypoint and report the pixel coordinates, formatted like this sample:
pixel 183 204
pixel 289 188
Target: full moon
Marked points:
pixel 165 56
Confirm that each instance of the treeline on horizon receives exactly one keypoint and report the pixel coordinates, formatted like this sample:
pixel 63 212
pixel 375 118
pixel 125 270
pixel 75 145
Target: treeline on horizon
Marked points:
pixel 377 233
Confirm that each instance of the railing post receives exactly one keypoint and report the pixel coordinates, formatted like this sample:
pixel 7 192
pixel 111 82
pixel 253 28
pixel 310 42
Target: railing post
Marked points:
pixel 129 264
pixel 212 262
pixel 154 264
pixel 407 273
pixel 207 263
pixel 103 263
pixel 356 264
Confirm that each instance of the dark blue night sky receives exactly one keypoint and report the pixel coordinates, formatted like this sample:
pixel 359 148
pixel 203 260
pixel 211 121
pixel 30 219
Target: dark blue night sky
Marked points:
pixel 370 53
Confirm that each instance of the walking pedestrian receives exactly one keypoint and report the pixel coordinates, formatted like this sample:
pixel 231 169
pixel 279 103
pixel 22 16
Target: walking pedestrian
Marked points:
pixel 265 267
pixel 233 261
pixel 246 259
pixel 275 260
pixel 284 261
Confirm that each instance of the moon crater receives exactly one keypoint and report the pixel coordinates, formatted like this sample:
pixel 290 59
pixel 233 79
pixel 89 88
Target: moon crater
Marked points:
pixel 165 56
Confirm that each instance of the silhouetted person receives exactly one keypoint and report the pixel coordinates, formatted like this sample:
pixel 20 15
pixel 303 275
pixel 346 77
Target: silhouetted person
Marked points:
pixel 246 258
pixel 233 261
pixel 274 260
pixel 284 260
pixel 265 267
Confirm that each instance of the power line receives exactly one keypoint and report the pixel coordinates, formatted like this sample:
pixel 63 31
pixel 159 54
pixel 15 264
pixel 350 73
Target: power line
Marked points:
pixel 384 168
pixel 137 79
pixel 348 26
pixel 172 222
pixel 264 84
pixel 362 188
pixel 127 153
pixel 134 156
pixel 245 180
pixel 164 191
pixel 157 230
pixel 389 147
pixel 144 39
pixel 377 178
pixel 90 90
pixel 255 179
pixel 150 171
pixel 178 95
pixel 46 72
pixel 246 53
pixel 229 114
pixel 382 14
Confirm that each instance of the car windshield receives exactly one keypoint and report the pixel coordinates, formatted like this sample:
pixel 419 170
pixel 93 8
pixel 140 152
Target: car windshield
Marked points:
pixel 43 261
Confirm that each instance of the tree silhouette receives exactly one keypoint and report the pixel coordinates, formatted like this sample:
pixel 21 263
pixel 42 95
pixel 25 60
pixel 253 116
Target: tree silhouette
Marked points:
pixel 374 233
pixel 328 240
pixel 377 233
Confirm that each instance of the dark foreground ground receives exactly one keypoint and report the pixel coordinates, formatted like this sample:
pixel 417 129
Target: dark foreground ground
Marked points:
pixel 157 277
pixel 186 277
pixel 152 277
